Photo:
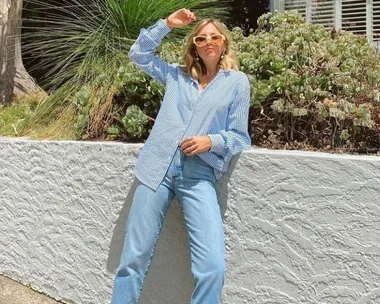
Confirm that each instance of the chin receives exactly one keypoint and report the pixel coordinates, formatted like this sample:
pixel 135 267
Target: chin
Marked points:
pixel 211 56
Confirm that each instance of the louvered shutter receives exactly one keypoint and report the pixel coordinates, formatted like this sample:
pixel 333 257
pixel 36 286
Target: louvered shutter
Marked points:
pixel 323 12
pixel 357 16
pixel 299 5
pixel 376 22
pixel 354 16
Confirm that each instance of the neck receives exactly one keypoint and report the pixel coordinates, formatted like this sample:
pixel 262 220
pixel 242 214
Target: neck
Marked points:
pixel 211 68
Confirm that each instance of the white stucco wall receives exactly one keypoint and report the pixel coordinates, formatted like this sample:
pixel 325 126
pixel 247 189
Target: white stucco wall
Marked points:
pixel 300 227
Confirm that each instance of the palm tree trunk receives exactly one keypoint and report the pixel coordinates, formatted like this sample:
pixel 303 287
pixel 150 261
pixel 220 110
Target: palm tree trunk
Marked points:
pixel 14 79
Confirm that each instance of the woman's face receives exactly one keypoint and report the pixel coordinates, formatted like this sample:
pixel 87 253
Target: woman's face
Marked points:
pixel 210 52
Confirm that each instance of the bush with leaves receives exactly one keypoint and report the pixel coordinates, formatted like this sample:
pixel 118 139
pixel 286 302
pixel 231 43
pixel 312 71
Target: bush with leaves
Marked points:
pixel 81 44
pixel 138 91
pixel 311 85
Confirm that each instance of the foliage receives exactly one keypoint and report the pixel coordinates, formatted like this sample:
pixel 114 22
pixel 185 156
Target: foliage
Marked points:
pixel 137 91
pixel 12 115
pixel 134 121
pixel 135 94
pixel 311 85
pixel 81 44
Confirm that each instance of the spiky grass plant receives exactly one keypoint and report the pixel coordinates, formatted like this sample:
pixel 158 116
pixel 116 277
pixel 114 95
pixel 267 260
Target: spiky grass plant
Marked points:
pixel 82 43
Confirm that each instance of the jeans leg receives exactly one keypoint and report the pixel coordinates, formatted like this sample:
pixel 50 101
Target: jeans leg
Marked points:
pixel 143 226
pixel 197 195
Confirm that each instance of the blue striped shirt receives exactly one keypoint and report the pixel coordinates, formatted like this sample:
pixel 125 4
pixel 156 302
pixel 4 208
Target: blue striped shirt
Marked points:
pixel 220 111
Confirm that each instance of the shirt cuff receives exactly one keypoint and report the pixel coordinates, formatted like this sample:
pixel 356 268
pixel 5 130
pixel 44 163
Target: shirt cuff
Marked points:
pixel 218 145
pixel 159 30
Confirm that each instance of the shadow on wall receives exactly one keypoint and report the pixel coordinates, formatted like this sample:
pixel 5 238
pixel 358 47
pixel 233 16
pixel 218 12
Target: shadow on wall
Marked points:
pixel 169 279
pixel 222 185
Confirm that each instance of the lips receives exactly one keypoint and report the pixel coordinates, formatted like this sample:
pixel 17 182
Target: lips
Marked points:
pixel 210 48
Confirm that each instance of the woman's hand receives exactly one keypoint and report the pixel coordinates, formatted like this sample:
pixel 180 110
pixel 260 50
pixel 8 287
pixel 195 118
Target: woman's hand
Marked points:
pixel 180 18
pixel 195 144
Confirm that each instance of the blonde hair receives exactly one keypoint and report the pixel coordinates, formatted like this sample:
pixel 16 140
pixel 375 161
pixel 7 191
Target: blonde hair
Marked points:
pixel 196 68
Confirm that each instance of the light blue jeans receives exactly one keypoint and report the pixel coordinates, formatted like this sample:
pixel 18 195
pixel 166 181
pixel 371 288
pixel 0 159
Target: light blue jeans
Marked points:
pixel 193 182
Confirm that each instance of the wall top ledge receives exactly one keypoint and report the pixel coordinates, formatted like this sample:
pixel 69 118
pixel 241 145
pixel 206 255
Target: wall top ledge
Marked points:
pixel 253 150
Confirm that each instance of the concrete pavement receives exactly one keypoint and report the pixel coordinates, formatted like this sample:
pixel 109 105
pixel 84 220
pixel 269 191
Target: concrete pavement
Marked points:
pixel 12 292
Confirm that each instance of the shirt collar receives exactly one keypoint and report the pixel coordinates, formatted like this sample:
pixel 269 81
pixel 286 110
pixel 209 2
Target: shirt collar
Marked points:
pixel 221 70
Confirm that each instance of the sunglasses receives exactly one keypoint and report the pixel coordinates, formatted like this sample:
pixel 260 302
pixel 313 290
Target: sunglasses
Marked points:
pixel 215 39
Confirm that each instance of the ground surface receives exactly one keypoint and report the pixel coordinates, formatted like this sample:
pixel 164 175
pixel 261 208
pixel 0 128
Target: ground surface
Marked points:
pixel 12 292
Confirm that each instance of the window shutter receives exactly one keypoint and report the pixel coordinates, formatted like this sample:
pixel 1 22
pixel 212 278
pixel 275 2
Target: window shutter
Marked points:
pixel 376 21
pixel 354 16
pixel 299 5
pixel 358 16
pixel 321 11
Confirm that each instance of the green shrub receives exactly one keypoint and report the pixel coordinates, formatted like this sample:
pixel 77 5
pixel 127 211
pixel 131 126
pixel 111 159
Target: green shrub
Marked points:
pixel 310 85
pixel 79 47
pixel 140 94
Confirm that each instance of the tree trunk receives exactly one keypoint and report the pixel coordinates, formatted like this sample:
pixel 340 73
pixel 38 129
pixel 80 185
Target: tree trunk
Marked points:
pixel 14 79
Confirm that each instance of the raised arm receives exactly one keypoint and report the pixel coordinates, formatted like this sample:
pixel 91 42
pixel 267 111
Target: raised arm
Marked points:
pixel 142 52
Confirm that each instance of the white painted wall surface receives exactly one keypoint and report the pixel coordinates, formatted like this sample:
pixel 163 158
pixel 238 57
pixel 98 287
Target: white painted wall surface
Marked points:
pixel 300 227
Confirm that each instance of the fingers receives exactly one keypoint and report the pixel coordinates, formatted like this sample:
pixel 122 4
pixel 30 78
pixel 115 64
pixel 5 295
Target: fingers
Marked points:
pixel 186 143
pixel 189 146
pixel 195 145
pixel 190 16
pixel 191 151
pixel 180 18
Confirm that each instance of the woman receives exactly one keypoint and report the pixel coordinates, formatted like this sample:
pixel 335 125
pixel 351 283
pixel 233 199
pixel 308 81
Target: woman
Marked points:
pixel 202 122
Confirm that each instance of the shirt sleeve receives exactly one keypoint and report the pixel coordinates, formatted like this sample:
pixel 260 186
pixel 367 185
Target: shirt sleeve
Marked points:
pixel 235 138
pixel 142 52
